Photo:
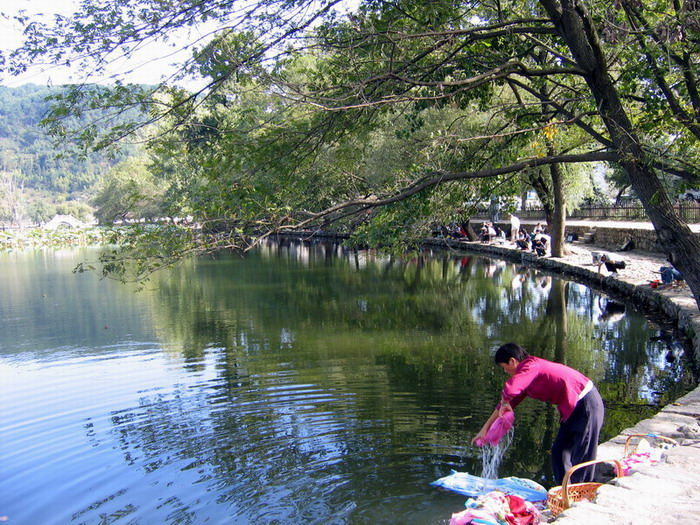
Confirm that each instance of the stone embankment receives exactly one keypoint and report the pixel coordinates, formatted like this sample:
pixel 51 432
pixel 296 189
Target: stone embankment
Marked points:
pixel 609 233
pixel 668 492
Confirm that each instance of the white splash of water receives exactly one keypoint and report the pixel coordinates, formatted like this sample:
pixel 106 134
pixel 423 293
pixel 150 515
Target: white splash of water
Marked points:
pixel 491 456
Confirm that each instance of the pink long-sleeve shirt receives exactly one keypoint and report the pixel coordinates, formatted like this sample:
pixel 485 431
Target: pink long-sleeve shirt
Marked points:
pixel 545 381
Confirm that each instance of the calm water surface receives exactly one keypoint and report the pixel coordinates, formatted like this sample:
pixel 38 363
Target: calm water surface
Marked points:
pixel 297 384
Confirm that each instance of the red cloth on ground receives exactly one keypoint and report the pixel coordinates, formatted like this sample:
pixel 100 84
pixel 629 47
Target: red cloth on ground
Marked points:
pixel 522 513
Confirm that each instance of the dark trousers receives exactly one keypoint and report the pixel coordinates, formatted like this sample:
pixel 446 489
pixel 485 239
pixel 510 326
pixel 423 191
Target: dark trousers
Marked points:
pixel 577 440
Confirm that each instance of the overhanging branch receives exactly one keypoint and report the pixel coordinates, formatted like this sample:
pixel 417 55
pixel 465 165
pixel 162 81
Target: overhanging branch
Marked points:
pixel 436 178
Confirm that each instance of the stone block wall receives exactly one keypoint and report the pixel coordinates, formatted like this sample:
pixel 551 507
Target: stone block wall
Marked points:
pixel 614 238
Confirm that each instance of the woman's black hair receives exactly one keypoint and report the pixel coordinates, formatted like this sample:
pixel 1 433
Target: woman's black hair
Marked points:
pixel 509 350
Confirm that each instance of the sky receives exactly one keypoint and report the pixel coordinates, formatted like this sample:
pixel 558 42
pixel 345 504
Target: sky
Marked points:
pixel 11 37
pixel 148 67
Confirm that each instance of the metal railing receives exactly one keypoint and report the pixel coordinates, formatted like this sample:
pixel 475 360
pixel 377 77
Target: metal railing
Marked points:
pixel 689 212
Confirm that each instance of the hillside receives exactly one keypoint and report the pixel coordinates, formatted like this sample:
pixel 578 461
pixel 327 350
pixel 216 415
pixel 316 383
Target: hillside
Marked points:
pixel 31 155
pixel 39 177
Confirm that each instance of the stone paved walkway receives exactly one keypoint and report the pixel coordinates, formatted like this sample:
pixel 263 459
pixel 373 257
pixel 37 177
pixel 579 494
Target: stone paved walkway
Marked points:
pixel 669 492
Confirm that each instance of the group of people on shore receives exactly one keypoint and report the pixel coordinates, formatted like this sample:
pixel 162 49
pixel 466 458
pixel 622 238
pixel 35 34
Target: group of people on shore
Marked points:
pixel 536 241
pixel 489 232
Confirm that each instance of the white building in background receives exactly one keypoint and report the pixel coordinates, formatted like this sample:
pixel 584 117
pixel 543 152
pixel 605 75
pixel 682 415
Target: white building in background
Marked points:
pixel 63 221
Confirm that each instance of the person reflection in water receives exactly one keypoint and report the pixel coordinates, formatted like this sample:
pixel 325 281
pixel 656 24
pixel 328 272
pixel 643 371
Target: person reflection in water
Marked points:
pixel 577 400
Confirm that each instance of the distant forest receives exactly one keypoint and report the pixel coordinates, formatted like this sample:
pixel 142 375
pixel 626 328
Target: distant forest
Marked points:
pixel 41 169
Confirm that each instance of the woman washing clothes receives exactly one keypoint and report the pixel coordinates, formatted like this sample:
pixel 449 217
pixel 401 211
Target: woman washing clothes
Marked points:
pixel 577 400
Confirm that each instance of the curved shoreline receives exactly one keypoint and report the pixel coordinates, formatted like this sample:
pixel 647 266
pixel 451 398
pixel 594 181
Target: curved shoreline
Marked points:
pixel 668 492
pixel 677 304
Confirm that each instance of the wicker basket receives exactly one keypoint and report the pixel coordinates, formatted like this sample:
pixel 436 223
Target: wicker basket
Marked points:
pixel 560 498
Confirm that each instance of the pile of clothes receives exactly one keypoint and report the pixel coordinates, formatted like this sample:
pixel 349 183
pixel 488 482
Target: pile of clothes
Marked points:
pixel 497 508
pixel 644 454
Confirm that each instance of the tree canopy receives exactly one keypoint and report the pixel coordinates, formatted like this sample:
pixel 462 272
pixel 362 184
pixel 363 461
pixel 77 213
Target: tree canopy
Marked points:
pixel 285 130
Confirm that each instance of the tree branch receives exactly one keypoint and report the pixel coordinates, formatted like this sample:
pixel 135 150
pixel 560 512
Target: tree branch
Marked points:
pixel 436 178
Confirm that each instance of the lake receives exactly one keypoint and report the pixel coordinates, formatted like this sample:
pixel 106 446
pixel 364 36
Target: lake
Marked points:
pixel 299 383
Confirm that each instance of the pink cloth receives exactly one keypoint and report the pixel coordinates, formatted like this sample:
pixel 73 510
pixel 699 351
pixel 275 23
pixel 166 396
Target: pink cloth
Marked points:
pixel 496 508
pixel 545 381
pixel 629 463
pixel 497 430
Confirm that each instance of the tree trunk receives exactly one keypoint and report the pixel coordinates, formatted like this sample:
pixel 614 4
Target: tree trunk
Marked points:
pixel 545 192
pixel 471 234
pixel 558 224
pixel 557 221
pixel 675 237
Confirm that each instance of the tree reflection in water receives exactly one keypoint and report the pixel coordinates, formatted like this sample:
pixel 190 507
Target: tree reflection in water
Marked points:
pixel 302 382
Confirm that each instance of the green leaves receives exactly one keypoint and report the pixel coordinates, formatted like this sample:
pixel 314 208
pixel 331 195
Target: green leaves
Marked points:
pixel 130 191
pixel 380 120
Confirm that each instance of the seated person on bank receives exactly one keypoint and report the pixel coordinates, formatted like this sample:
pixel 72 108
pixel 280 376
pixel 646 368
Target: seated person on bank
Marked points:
pixel 522 241
pixel 484 233
pixel 537 230
pixel 539 245
pixel 488 232
pixel 610 265
pixel 669 275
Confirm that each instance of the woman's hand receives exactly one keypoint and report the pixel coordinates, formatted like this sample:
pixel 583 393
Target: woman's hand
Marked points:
pixel 480 435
